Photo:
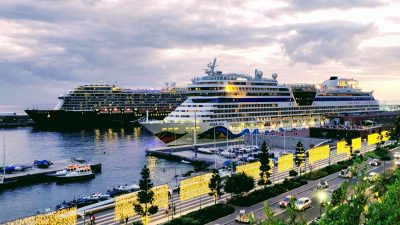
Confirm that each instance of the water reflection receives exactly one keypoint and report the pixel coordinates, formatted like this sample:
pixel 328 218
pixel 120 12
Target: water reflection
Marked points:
pixel 120 150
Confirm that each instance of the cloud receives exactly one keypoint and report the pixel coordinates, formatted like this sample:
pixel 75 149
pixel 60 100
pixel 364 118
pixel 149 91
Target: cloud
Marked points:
pixel 328 4
pixel 147 43
pixel 317 43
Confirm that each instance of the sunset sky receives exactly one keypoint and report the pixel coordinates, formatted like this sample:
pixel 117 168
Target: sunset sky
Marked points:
pixel 47 47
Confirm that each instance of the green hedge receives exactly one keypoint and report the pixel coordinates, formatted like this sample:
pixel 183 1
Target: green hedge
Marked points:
pixel 204 215
pixel 268 192
pixel 287 185
pixel 318 174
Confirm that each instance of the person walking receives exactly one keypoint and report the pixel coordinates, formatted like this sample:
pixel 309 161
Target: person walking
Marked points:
pixel 92 219
pixel 126 220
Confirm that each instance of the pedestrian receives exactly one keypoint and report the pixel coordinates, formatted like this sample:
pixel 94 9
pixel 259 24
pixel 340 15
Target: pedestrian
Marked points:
pixel 126 220
pixel 174 209
pixel 92 219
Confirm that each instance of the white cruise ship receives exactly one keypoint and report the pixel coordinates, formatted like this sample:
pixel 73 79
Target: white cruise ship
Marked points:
pixel 234 104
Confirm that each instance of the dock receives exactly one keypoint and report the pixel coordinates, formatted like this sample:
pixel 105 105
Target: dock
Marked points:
pixel 187 153
pixel 39 175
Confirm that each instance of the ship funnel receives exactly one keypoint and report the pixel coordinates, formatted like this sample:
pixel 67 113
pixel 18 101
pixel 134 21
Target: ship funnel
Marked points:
pixel 258 74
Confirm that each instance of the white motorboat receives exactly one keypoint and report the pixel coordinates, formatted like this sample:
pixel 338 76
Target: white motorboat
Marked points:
pixel 80 173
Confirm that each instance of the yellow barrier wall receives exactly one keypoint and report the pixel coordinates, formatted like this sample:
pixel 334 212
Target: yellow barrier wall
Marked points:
pixel 356 143
pixel 373 138
pixel 194 187
pixel 341 148
pixel 319 153
pixel 285 163
pixel 124 206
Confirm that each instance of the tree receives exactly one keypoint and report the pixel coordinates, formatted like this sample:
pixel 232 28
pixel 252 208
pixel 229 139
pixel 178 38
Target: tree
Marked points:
pixel 269 217
pixel 395 131
pixel 215 185
pixel 349 145
pixel 145 197
pixel 264 167
pixel 380 143
pixel 386 211
pixel 239 183
pixel 299 156
pixel 352 211
pixel 293 173
pixel 271 220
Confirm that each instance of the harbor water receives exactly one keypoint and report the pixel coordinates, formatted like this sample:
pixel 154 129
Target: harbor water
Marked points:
pixel 121 151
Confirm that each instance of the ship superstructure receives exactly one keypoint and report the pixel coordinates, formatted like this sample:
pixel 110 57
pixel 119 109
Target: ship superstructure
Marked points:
pixel 100 105
pixel 233 105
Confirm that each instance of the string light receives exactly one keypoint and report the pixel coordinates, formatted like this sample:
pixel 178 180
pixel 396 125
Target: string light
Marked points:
pixel 124 206
pixel 194 187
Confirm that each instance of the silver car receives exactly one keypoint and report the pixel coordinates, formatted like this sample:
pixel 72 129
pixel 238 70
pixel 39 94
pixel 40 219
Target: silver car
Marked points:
pixel 303 203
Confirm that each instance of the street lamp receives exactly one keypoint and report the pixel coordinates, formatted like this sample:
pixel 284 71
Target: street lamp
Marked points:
pixel 322 197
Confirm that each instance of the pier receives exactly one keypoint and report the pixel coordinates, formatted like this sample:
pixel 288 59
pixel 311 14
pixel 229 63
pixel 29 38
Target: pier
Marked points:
pixel 38 175
pixel 190 153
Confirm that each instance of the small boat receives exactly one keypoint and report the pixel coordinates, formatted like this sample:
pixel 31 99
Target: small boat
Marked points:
pixel 100 196
pixel 80 173
pixel 122 189
pixel 8 169
pixel 42 163
pixel 186 162
pixel 66 170
pixel 79 160
pixel 43 211
pixel 21 167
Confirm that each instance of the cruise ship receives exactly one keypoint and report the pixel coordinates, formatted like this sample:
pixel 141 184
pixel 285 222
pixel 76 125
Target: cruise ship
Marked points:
pixel 232 105
pixel 103 105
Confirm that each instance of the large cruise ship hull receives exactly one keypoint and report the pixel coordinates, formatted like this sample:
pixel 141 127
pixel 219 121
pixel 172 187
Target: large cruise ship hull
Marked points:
pixel 61 119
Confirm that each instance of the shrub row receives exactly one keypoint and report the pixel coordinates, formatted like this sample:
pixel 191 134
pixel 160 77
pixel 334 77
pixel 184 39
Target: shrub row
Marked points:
pixel 268 192
pixel 204 215
pixel 318 174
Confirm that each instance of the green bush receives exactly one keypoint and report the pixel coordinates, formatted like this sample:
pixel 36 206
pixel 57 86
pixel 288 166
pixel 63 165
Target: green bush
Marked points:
pixel 315 175
pixel 293 173
pixel 203 216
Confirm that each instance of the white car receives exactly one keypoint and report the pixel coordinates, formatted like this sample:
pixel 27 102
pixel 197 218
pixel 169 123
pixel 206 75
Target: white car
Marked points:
pixel 396 155
pixel 345 173
pixel 397 163
pixel 303 203
pixel 375 162
pixel 322 185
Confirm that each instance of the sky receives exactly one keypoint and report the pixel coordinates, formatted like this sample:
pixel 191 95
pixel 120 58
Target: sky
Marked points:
pixel 48 47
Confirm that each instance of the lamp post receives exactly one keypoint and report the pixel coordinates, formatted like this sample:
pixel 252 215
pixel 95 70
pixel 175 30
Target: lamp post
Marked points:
pixel 322 197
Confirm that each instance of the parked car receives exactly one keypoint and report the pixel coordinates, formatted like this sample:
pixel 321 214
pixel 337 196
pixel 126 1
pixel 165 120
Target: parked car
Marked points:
pixel 322 185
pixel 375 162
pixel 396 155
pixel 242 217
pixel 285 202
pixel 397 163
pixel 372 177
pixel 303 203
pixel 345 173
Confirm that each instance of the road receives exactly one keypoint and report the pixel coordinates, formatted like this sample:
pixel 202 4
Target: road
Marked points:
pixel 107 216
pixel 305 191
